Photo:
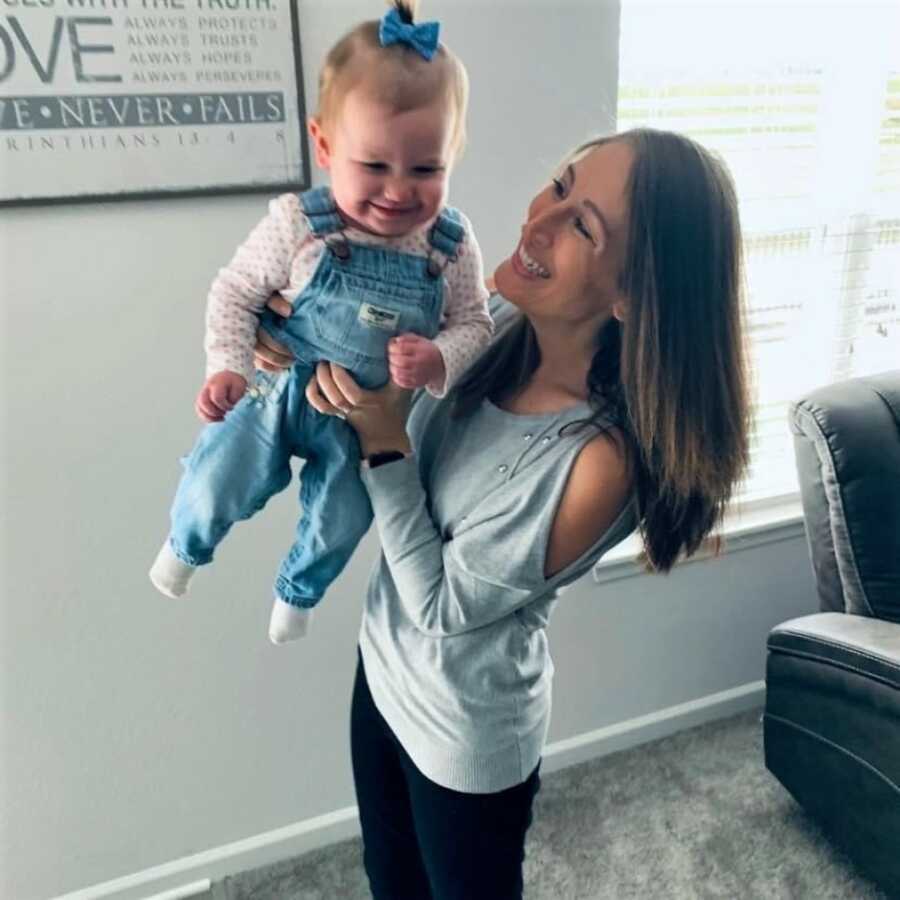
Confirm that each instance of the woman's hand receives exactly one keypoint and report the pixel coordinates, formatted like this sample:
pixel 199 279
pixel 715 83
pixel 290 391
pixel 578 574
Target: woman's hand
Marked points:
pixel 378 417
pixel 269 354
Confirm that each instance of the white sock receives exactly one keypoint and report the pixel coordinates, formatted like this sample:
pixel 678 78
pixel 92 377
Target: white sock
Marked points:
pixel 288 622
pixel 170 576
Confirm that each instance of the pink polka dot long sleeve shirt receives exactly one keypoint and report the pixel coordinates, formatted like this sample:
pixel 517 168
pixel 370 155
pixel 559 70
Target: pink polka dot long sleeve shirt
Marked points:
pixel 281 254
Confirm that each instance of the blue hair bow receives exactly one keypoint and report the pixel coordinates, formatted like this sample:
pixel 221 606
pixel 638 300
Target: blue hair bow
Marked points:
pixel 422 38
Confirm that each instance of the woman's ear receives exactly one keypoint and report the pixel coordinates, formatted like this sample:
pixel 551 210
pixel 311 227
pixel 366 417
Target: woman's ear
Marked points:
pixel 320 143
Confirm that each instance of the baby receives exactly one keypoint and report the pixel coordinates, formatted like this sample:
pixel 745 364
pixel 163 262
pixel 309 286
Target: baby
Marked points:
pixel 375 257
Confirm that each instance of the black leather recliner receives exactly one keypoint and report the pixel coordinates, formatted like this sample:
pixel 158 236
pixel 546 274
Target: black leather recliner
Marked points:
pixel 832 717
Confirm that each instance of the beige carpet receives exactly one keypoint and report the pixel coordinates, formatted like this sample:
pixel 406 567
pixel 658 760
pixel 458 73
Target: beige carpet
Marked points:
pixel 695 815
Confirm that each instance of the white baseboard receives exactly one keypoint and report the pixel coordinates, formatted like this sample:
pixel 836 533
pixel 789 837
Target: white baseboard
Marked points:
pixel 658 724
pixel 192 875
pixel 229 859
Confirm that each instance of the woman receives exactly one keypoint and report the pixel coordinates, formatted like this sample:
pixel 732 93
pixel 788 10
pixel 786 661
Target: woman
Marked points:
pixel 614 397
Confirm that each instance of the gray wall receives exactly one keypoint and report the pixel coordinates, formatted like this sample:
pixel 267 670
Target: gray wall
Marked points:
pixel 138 730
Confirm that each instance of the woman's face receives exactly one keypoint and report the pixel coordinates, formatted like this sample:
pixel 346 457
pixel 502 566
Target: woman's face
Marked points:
pixel 572 249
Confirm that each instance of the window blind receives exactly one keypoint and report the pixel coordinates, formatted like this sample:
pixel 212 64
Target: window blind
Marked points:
pixel 808 121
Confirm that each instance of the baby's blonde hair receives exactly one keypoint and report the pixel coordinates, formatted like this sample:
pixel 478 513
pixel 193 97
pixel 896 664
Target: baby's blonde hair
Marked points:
pixel 396 75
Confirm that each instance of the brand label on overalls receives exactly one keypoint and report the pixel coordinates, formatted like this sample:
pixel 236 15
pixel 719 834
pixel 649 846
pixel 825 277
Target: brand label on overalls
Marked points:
pixel 378 318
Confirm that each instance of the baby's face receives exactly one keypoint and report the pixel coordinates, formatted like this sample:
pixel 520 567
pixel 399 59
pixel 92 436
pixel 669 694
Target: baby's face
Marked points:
pixel 389 170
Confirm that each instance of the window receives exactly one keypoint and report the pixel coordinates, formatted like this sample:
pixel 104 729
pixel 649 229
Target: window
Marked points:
pixel 803 104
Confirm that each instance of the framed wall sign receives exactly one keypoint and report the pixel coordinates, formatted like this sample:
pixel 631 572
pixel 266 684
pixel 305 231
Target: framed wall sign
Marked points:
pixel 120 99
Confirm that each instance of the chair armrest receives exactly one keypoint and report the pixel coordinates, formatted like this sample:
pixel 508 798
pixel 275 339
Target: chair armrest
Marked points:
pixel 857 643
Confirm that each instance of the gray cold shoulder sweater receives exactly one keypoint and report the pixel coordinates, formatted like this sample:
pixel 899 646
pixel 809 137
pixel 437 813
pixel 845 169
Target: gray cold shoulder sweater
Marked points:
pixel 453 635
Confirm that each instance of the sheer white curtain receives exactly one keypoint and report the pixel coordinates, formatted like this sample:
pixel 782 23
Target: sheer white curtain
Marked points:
pixel 803 102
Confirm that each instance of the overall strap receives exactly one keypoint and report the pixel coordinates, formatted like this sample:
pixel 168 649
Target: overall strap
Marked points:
pixel 321 211
pixel 447 232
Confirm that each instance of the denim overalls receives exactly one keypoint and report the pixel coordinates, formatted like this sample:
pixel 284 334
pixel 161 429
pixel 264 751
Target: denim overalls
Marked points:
pixel 358 298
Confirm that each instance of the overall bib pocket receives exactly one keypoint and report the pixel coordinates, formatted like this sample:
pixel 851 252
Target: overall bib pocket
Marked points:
pixel 360 315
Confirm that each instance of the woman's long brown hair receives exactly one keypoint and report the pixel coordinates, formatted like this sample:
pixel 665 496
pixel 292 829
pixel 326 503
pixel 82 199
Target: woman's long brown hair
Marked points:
pixel 674 376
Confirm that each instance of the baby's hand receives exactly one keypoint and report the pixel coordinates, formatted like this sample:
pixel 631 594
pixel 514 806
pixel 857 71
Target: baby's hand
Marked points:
pixel 219 395
pixel 414 361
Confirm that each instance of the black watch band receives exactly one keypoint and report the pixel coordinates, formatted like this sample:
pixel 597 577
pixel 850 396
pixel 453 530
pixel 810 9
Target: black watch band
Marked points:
pixel 385 456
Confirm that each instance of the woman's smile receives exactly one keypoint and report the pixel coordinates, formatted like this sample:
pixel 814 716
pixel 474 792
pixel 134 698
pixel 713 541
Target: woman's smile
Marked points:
pixel 527 267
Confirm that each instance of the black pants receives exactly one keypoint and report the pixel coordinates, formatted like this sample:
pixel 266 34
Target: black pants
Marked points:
pixel 422 841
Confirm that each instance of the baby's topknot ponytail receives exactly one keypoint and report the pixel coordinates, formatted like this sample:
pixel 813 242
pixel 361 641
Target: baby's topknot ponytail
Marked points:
pixel 406 9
